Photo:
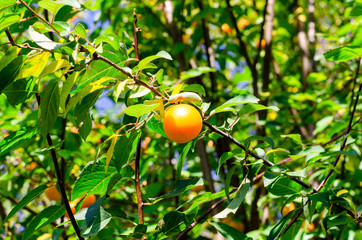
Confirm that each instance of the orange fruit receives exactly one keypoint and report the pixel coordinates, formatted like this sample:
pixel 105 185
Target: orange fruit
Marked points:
pixel 52 193
pixel 288 208
pixel 226 28
pixel 310 227
pixel 88 201
pixel 72 207
pixel 243 23
pixel 262 43
pixel 182 123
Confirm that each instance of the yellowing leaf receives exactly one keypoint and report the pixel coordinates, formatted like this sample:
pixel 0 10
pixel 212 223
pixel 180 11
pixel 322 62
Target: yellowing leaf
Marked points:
pixel 54 66
pixel 340 192
pixel 35 65
pixel 85 91
pixel 177 89
pixel 185 96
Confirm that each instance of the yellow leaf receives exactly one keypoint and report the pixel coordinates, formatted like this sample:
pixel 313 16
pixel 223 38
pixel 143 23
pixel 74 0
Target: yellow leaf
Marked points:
pixel 54 66
pixel 340 192
pixel 177 89
pixel 35 65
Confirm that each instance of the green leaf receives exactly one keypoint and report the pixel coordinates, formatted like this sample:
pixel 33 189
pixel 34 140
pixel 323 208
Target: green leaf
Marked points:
pixel 250 108
pixel 82 109
pixel 67 87
pixel 109 38
pixel 356 11
pixel 6 20
pixel 172 222
pixel 293 230
pixel 9 73
pixel 155 126
pixel 94 87
pixel 284 186
pixel 238 199
pixel 100 221
pixel 49 107
pixel 43 41
pixel 140 109
pixel 322 197
pixel 125 148
pixel 62 27
pixel 159 76
pixel 6 3
pixel 278 228
pixel 86 127
pixel 196 72
pixel 16 140
pixel 197 88
pixel 142 64
pixel 332 221
pixel 229 233
pixel 226 156
pixel 23 202
pixel 44 218
pixel 20 90
pixel 243 99
pixel 180 162
pixel 270 177
pixel 80 31
pixel 180 187
pixel 51 6
pixel 228 179
pixel 343 54
pixel 295 137
pixel 93 180
pixel 308 210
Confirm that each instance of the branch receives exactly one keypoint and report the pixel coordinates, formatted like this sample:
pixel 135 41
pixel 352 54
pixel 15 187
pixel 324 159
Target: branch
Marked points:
pixel 261 34
pixel 136 31
pixel 209 51
pixel 60 182
pixel 137 181
pixel 38 16
pixel 13 200
pixel 243 49
pixel 270 164
pixel 183 234
pixel 13 43
pixel 349 127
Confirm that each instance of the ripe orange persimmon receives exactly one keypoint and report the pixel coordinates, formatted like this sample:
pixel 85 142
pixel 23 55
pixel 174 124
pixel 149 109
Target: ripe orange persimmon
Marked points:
pixel 52 193
pixel 182 123
pixel 243 23
pixel 88 201
pixel 72 207
pixel 288 208
pixel 262 43
pixel 226 28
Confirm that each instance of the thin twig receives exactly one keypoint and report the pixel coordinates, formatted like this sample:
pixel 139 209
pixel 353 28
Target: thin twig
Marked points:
pixel 261 34
pixel 38 16
pixel 13 200
pixel 138 186
pixel 321 185
pixel 13 43
pixel 183 234
pixel 60 181
pixel 340 135
pixel 349 127
pixel 243 49
pixel 136 30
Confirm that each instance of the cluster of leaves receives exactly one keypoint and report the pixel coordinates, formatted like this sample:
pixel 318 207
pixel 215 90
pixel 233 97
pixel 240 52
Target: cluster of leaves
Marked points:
pixel 77 96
